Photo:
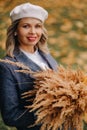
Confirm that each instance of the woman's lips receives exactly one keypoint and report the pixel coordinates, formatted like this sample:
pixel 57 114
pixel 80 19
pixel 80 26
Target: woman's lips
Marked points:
pixel 31 38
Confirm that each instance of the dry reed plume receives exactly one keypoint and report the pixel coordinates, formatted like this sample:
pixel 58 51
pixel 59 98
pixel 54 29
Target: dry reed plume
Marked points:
pixel 60 98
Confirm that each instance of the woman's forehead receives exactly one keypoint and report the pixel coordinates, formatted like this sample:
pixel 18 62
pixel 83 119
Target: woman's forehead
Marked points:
pixel 30 20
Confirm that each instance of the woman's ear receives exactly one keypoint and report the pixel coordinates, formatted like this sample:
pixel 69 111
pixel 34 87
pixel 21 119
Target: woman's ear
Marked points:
pixel 15 34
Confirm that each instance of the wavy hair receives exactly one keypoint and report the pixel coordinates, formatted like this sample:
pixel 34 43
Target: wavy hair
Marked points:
pixel 12 41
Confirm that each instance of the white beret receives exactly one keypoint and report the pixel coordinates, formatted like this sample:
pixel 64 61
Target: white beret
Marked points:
pixel 28 10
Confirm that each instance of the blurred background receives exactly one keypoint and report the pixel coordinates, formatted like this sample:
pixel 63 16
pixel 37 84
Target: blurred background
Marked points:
pixel 67 31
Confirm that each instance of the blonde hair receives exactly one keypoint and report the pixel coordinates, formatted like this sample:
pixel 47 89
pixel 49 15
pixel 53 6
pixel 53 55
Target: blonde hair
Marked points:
pixel 12 41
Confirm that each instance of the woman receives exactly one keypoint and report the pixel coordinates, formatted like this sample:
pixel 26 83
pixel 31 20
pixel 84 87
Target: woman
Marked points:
pixel 26 43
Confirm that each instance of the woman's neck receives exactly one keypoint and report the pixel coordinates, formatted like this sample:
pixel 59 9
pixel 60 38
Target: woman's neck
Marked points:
pixel 28 49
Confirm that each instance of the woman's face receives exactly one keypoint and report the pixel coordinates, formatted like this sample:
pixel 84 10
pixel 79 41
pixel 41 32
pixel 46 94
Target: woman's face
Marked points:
pixel 29 32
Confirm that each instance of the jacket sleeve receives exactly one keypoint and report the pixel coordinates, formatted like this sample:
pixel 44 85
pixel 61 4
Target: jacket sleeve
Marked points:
pixel 11 111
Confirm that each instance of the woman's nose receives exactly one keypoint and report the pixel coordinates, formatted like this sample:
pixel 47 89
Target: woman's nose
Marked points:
pixel 32 30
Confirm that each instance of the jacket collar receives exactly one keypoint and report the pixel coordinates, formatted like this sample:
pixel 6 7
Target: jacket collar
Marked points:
pixel 21 57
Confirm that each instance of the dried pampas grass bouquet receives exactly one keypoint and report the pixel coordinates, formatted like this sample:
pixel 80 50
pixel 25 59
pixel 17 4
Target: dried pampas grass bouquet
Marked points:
pixel 60 98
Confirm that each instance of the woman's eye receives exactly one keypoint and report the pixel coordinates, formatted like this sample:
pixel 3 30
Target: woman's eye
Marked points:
pixel 38 26
pixel 26 26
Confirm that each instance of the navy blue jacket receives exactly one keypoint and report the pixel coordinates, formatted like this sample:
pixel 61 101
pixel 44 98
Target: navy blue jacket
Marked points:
pixel 13 84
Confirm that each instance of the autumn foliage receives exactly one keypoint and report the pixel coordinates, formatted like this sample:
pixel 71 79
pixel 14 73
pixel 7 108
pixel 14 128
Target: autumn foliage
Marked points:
pixel 66 25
